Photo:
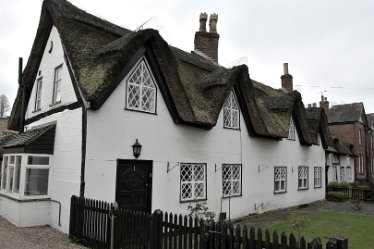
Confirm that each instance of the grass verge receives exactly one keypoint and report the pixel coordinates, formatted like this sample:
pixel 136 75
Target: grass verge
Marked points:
pixel 359 229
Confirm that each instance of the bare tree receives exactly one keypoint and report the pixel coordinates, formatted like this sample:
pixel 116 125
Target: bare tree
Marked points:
pixel 4 105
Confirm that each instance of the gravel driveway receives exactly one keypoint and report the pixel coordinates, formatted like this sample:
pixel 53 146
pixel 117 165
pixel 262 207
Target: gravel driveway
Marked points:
pixel 45 237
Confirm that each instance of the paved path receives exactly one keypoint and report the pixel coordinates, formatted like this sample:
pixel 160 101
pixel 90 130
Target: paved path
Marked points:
pixel 44 237
pixel 267 219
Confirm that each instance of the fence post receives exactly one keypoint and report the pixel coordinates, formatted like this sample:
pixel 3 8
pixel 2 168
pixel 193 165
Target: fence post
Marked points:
pixel 332 244
pixel 156 230
pixel 112 217
pixel 337 243
pixel 315 244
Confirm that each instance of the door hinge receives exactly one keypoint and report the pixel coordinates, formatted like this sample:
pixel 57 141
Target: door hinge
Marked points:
pixel 150 175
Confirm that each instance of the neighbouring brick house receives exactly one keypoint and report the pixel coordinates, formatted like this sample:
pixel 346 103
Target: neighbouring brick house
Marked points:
pixel 349 123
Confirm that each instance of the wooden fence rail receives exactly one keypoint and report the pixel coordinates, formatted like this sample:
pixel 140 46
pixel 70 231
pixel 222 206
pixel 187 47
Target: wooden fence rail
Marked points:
pixel 91 224
pixel 354 193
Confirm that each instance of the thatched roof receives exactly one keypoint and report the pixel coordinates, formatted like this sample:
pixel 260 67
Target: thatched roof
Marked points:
pixel 342 147
pixel 194 88
pixel 317 122
pixel 347 113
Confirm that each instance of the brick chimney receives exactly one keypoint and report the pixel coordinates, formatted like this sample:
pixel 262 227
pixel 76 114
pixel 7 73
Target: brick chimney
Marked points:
pixel 207 42
pixel 324 103
pixel 286 79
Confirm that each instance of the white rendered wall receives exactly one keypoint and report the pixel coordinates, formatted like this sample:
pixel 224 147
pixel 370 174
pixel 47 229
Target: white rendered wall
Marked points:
pixel 345 161
pixel 65 169
pixel 25 214
pixel 47 71
pixel 65 163
pixel 112 130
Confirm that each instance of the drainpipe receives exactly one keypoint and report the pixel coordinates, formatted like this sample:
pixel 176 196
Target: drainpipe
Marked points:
pixel 23 95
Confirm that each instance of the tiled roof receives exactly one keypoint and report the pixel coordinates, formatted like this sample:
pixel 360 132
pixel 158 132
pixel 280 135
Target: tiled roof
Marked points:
pixel 345 113
pixel 29 136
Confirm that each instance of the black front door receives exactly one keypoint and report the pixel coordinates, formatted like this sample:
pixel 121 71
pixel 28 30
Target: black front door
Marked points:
pixel 134 185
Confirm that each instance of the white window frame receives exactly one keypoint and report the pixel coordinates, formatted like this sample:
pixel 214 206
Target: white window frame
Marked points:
pixel 36 166
pixel 232 111
pixel 57 81
pixel 292 130
pixel 23 166
pixel 342 174
pixel 282 178
pixel 130 84
pixel 192 182
pixel 349 173
pixel 228 179
pixel 317 177
pixel 38 95
pixel 361 164
pixel 302 179
pixel 11 177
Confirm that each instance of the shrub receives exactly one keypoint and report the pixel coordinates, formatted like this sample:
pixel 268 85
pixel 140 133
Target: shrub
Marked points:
pixel 336 196
pixel 338 184
pixel 200 210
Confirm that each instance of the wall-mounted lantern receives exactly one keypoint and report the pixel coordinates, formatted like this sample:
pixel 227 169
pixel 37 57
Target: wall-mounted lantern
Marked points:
pixel 136 148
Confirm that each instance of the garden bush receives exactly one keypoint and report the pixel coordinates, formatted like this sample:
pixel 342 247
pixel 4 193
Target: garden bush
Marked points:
pixel 336 196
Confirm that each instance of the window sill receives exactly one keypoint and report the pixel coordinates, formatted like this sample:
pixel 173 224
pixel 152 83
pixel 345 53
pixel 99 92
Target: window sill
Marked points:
pixel 55 104
pixel 16 197
pixel 231 128
pixel 135 110
pixel 316 187
pixel 302 189
pixel 38 110
pixel 280 192
pixel 193 200
pixel 231 196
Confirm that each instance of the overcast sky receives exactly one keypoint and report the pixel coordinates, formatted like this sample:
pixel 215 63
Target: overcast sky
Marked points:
pixel 329 44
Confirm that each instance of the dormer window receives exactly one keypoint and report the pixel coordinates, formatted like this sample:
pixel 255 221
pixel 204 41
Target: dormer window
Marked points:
pixel 231 112
pixel 291 130
pixel 57 85
pixel 38 94
pixel 141 89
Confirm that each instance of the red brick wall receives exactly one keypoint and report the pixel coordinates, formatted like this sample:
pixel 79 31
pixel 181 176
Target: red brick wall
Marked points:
pixel 349 133
pixel 207 43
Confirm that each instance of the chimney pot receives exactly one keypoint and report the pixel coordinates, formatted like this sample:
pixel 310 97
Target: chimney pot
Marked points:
pixel 285 68
pixel 213 23
pixel 207 42
pixel 314 105
pixel 309 105
pixel 287 79
pixel 203 18
pixel 324 104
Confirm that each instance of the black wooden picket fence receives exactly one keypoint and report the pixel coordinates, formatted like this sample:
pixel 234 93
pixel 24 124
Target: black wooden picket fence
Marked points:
pixel 91 225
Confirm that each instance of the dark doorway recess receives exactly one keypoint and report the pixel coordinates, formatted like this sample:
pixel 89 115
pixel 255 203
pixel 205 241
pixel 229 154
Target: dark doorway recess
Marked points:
pixel 134 184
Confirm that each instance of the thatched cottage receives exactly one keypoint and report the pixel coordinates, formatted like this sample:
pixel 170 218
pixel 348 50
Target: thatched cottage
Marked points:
pixel 120 115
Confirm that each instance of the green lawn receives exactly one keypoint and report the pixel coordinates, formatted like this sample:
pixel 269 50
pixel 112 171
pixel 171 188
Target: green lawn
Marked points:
pixel 359 229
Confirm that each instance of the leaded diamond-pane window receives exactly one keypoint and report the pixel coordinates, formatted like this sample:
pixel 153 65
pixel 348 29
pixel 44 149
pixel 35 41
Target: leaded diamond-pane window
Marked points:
pixel 280 179
pixel 291 130
pixel 141 89
pixel 303 176
pixel 231 179
pixel 193 182
pixel 317 177
pixel 231 112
